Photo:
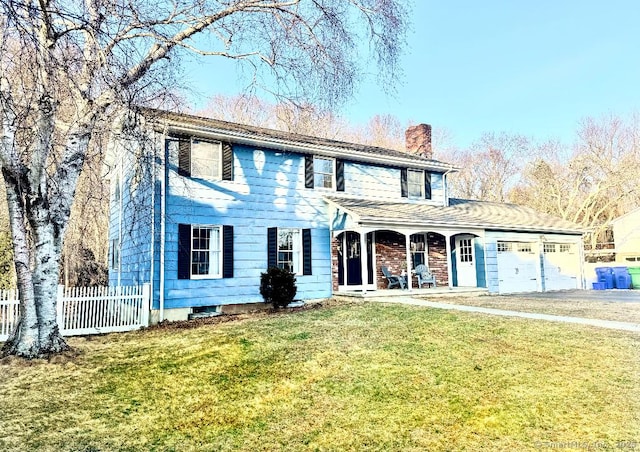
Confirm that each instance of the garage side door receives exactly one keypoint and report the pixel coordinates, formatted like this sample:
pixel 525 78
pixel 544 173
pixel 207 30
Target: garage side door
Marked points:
pixel 561 266
pixel 517 269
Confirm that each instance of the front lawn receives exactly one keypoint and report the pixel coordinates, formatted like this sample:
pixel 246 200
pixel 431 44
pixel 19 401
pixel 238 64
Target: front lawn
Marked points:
pixel 348 377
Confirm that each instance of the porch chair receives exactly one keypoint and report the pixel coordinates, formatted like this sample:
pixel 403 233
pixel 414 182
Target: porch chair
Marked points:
pixel 425 276
pixel 393 280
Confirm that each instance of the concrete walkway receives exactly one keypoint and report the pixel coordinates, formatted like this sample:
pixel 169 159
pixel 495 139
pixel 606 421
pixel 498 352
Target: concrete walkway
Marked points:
pixel 611 324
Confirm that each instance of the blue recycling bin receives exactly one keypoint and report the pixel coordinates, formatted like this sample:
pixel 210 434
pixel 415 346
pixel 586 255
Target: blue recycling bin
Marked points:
pixel 605 275
pixel 622 277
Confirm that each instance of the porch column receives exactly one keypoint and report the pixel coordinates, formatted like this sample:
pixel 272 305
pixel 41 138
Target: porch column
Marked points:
pixel 407 242
pixel 447 243
pixel 364 259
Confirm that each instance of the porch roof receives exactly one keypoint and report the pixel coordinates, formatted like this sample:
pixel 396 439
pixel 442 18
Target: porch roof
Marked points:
pixel 460 213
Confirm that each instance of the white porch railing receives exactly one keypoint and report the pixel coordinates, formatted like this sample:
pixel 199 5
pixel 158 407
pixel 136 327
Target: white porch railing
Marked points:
pixel 87 310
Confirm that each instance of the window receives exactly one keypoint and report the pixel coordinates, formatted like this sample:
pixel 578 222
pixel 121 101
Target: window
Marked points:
pixel 323 172
pixel 549 247
pixel 466 250
pixel 504 247
pixel 206 159
pixel 418 250
pixel 202 159
pixel 290 249
pixel 415 184
pixel 115 254
pixel 565 248
pixel 524 247
pixel 205 251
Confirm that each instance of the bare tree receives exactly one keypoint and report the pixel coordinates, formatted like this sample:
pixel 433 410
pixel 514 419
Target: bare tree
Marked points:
pixel 67 67
pixel 490 167
pixel 596 183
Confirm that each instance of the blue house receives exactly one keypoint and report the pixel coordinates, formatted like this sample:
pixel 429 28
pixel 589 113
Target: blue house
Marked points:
pixel 201 207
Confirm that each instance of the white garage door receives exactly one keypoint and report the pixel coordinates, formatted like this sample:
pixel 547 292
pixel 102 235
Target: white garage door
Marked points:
pixel 517 269
pixel 561 266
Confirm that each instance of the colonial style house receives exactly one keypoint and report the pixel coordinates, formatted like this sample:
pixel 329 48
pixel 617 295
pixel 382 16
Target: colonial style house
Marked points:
pixel 201 207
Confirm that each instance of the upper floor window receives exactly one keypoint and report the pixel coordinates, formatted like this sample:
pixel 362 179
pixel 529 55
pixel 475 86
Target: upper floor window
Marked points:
pixel 115 254
pixel 415 184
pixel 206 159
pixel 323 172
pixel 202 159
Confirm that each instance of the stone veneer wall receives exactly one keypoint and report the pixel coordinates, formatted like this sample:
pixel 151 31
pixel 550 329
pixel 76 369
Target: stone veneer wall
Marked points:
pixel 437 248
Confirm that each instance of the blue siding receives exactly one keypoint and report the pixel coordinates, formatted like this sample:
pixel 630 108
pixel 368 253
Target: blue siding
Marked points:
pixel 267 191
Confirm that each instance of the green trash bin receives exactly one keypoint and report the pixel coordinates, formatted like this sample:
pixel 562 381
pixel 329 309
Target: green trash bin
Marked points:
pixel 635 277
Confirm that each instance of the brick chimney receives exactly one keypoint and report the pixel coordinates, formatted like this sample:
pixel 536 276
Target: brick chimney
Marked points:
pixel 418 140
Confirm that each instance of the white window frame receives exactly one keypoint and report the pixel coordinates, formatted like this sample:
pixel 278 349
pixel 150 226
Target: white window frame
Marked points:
pixel 202 167
pixel 413 184
pixel 294 265
pixel 215 255
pixel 317 173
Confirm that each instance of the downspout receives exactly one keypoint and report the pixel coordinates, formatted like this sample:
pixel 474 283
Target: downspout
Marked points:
pixel 163 212
pixel 152 267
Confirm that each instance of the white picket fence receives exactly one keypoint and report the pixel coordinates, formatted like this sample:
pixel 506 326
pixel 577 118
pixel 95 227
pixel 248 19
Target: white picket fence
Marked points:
pixel 87 310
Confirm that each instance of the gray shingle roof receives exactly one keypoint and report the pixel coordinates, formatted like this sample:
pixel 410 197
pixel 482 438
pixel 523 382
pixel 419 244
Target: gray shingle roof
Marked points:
pixel 460 212
pixel 359 152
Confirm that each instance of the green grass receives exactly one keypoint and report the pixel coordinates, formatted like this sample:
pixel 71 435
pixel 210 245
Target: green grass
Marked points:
pixel 356 377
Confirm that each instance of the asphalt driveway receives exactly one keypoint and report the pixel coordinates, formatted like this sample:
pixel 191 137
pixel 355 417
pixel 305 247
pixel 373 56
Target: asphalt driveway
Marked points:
pixel 613 295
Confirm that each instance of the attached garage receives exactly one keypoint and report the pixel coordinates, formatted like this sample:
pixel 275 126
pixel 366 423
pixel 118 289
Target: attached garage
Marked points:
pixel 561 266
pixel 517 269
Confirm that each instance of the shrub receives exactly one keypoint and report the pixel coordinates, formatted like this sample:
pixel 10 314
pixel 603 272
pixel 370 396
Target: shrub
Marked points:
pixel 278 287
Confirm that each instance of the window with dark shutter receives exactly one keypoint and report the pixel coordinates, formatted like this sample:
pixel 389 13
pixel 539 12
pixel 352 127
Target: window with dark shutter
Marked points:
pixel 227 251
pixel 308 171
pixel 306 251
pixel 184 251
pixel 272 247
pixel 404 188
pixel 339 175
pixel 184 157
pixel 227 161
pixel 427 185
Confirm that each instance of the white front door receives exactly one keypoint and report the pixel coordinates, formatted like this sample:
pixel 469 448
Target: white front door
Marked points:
pixel 465 262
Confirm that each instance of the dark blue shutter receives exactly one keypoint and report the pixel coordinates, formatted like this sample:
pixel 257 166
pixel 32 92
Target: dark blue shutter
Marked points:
pixel 184 156
pixel 404 188
pixel 227 251
pixel 272 247
pixel 308 171
pixel 340 175
pixel 227 161
pixel 427 185
pixel 184 251
pixel 306 251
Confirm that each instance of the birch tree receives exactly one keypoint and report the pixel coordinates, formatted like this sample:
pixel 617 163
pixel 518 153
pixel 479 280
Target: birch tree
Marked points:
pixel 68 67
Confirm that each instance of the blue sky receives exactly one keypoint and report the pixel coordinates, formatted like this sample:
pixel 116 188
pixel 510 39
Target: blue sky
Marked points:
pixel 532 68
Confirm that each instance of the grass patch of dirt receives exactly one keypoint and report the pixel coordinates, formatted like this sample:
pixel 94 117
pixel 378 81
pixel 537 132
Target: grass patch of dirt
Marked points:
pixel 362 376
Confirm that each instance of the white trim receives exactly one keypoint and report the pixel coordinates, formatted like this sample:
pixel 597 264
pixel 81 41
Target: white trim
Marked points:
pixel 211 227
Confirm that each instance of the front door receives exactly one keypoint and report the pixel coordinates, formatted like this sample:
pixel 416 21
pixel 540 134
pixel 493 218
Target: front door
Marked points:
pixel 354 263
pixel 465 262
